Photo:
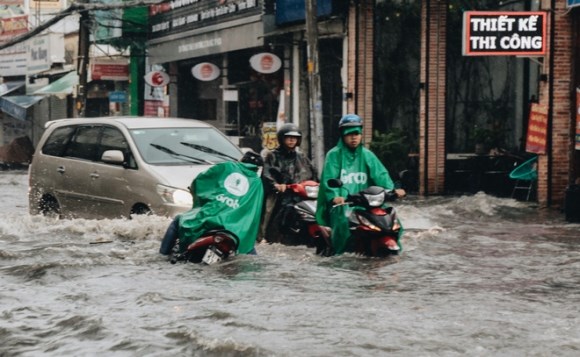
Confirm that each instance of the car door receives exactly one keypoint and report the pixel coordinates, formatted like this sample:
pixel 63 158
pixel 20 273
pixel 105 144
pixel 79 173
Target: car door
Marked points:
pixel 76 171
pixel 112 184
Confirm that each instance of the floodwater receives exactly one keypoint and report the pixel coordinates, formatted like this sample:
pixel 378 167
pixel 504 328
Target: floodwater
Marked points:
pixel 479 276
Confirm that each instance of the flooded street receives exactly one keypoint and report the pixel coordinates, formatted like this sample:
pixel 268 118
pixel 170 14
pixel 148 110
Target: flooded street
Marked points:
pixel 479 276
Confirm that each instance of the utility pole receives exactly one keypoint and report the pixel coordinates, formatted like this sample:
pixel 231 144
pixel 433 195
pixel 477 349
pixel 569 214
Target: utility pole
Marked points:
pixel 315 96
pixel 83 62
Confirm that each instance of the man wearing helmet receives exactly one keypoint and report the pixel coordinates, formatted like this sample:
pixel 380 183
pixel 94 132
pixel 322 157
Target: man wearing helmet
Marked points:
pixel 358 168
pixel 292 167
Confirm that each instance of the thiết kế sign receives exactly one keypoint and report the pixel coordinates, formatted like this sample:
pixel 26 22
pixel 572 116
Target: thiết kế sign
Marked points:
pixel 504 33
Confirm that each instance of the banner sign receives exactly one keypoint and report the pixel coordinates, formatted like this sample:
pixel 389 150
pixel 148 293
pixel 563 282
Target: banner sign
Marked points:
pixel 577 141
pixel 537 129
pixel 180 16
pixel 504 33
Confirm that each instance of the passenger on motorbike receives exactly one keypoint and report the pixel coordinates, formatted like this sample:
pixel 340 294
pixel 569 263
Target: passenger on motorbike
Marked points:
pixel 229 195
pixel 358 168
pixel 293 167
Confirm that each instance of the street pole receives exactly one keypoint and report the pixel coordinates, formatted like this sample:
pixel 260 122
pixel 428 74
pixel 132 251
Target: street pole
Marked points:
pixel 315 97
pixel 83 62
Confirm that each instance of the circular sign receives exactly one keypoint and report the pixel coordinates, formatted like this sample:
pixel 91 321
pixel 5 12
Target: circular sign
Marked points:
pixel 265 62
pixel 205 71
pixel 157 79
pixel 237 184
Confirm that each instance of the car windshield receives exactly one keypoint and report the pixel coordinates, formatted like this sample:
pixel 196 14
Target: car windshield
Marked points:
pixel 184 146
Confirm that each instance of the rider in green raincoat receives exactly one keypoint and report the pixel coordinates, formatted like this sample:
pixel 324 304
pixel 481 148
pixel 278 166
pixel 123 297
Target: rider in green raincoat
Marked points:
pixel 358 168
pixel 227 196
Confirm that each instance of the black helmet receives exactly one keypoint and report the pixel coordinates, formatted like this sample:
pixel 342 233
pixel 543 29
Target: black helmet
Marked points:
pixel 350 120
pixel 252 157
pixel 289 129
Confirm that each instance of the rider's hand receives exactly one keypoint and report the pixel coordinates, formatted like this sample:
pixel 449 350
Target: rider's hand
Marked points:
pixel 338 200
pixel 400 192
pixel 280 187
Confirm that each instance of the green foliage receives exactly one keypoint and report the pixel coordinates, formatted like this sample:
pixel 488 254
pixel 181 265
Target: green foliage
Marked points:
pixel 392 148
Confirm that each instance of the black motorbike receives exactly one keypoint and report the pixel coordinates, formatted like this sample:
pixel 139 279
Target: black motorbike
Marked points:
pixel 373 226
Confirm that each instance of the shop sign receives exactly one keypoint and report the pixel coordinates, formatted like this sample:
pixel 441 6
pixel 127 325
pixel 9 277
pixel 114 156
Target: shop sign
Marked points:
pixel 289 11
pixel 577 145
pixel 173 17
pixel 45 50
pixel 118 97
pixel 269 138
pixel 504 33
pixel 110 69
pixel 157 79
pixel 11 27
pixel 573 3
pixel 537 129
pixel 265 62
pixel 205 71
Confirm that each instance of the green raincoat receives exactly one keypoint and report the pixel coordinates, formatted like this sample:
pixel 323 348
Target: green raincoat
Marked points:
pixel 227 196
pixel 357 169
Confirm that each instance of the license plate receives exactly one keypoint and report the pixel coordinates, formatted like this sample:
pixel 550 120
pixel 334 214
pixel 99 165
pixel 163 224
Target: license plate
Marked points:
pixel 210 257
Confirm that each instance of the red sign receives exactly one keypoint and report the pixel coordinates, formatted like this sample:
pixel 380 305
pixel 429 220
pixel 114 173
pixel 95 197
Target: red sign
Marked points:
pixel 110 71
pixel 537 129
pixel 504 33
pixel 157 79
pixel 577 119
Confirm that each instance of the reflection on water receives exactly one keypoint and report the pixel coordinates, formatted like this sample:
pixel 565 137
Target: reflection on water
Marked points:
pixel 479 276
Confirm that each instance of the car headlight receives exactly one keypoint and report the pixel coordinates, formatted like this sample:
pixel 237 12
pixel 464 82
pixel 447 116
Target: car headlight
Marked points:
pixel 175 195
pixel 375 200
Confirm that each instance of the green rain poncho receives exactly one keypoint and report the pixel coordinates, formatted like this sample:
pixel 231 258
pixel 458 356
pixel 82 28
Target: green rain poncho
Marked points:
pixel 357 169
pixel 227 196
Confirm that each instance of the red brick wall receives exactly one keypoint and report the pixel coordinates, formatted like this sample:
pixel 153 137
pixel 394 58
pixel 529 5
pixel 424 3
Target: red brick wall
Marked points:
pixel 360 63
pixel 552 193
pixel 432 97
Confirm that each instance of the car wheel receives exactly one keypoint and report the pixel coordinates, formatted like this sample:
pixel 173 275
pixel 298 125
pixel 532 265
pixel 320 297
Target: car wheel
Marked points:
pixel 49 206
pixel 140 209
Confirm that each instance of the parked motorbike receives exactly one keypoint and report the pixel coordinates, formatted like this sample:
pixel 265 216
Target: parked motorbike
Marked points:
pixel 212 247
pixel 374 227
pixel 297 214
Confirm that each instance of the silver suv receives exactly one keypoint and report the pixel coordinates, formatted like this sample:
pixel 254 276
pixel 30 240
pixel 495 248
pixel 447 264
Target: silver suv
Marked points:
pixel 118 166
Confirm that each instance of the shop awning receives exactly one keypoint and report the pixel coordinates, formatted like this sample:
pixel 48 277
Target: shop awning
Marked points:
pixel 17 105
pixel 62 87
pixel 9 87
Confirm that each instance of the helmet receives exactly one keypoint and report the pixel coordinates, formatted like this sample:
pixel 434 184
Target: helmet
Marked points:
pixel 289 129
pixel 252 157
pixel 350 120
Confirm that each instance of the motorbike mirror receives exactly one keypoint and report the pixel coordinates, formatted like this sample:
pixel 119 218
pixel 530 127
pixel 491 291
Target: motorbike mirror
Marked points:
pixel 334 183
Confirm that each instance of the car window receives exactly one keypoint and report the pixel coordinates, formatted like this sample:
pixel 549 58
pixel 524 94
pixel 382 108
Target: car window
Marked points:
pixel 57 141
pixel 85 143
pixel 176 146
pixel 113 139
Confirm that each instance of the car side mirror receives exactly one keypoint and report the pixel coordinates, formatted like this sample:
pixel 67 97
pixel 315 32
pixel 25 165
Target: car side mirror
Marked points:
pixel 114 157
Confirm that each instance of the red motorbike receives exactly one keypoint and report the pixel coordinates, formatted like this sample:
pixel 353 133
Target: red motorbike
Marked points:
pixel 297 214
pixel 212 247
pixel 374 227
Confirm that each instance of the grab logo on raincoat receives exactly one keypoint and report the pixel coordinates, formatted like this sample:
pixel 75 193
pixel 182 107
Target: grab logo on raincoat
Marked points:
pixel 353 177
pixel 237 184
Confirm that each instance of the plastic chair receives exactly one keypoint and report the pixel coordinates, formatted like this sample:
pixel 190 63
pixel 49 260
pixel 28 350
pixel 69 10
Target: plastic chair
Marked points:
pixel 526 176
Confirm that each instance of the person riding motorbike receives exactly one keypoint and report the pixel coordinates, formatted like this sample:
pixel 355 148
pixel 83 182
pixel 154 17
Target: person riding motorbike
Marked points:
pixel 358 168
pixel 292 167
pixel 229 196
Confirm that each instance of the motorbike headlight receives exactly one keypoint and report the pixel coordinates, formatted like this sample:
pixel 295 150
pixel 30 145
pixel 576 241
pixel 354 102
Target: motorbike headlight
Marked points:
pixel 175 195
pixel 367 223
pixel 311 191
pixel 375 200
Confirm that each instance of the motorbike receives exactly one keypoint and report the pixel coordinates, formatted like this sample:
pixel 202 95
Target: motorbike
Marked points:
pixel 212 247
pixel 374 227
pixel 297 214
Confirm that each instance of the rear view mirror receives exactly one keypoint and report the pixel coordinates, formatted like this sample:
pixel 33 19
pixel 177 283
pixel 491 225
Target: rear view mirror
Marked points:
pixel 334 183
pixel 113 157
